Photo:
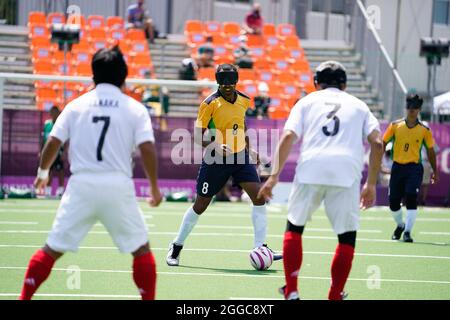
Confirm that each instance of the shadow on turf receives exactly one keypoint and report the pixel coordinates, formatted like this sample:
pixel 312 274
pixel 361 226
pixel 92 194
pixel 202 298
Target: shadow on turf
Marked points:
pixel 241 271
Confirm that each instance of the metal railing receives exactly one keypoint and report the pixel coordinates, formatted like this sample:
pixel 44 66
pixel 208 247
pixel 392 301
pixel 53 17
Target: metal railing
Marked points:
pixel 34 77
pixel 384 77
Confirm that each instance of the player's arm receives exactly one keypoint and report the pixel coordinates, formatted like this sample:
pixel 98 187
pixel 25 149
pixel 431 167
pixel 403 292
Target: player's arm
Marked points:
pixel 254 155
pixel 281 154
pixel 368 193
pixel 150 164
pixel 48 156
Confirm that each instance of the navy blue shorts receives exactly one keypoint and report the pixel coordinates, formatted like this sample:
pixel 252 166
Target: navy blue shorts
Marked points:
pixel 405 179
pixel 212 177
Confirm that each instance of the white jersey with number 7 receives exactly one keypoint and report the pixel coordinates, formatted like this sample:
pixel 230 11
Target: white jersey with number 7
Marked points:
pixel 332 125
pixel 104 127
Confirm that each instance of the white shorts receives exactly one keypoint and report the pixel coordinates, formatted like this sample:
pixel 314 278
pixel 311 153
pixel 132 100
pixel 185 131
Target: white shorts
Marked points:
pixel 341 205
pixel 108 198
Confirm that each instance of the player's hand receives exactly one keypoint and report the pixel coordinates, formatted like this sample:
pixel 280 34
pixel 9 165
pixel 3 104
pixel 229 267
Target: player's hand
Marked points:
pixel 223 150
pixel 40 184
pixel 266 190
pixel 368 196
pixel 434 177
pixel 155 198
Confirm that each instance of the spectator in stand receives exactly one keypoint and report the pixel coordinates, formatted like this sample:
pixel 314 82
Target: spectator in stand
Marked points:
pixel 242 56
pixel 139 18
pixel 190 66
pixel 254 22
pixel 262 102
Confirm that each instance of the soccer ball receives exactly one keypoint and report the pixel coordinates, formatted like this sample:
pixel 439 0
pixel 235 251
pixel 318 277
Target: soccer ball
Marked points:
pixel 261 258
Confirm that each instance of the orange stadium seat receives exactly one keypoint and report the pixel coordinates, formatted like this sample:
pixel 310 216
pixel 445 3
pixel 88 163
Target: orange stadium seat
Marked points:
pixel 59 85
pixel 275 90
pixel 255 40
pixel 96 22
pixel 231 28
pixel 247 74
pixel 99 44
pixel 41 43
pixel 291 90
pixel 83 69
pixel 234 40
pixel 55 17
pixel 135 34
pixel 286 29
pixel 272 41
pixel 278 108
pixel 281 65
pixel 139 46
pixel 195 39
pixel 124 47
pixel 81 56
pixel 83 45
pixel 206 73
pixel 43 67
pixel 286 77
pixel 266 76
pixel 269 29
pixel 257 52
pixel 300 65
pixel 212 27
pixel 96 34
pixel 219 40
pixel 304 77
pixel 36 17
pixel 249 87
pixel 45 93
pixel 262 63
pixel 140 71
pixel 62 68
pixel 115 22
pixel 77 19
pixel 116 35
pixel 41 53
pixel 193 26
pixel 140 58
pixel 291 42
pixel 296 53
pixel 39 31
pixel 58 56
pixel 277 53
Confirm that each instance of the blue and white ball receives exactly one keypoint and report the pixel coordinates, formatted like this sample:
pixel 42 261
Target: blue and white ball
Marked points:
pixel 261 258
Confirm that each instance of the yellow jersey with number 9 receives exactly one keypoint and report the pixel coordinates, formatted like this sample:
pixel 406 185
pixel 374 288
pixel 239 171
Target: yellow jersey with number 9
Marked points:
pixel 224 119
pixel 408 142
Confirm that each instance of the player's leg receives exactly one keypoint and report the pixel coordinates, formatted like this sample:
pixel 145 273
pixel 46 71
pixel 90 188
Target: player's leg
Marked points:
pixel 144 272
pixel 210 180
pixel 73 221
pixel 48 188
pixel 303 201
pixel 39 268
pixel 413 182
pixel 342 208
pixel 396 192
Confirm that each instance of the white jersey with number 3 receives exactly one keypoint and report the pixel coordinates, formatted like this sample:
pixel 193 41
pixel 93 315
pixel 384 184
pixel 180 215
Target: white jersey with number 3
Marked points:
pixel 333 125
pixel 104 126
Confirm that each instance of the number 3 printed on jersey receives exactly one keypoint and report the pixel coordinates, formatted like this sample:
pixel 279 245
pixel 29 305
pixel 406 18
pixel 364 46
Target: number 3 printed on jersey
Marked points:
pixel 332 115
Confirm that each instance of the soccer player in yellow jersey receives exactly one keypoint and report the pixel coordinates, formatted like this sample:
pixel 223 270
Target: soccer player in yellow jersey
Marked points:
pixel 408 136
pixel 222 115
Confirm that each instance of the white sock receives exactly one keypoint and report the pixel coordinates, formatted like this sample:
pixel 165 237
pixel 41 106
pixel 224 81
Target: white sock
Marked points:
pixel 60 191
pixel 259 218
pixel 398 217
pixel 189 221
pixel 411 216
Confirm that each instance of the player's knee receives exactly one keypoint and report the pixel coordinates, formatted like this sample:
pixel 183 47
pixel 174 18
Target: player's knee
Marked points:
pixel 293 228
pixel 52 253
pixel 411 201
pixel 201 204
pixel 348 238
pixel 394 204
pixel 142 250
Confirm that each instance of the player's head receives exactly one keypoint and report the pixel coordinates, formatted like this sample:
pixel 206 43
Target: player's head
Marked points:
pixel 330 74
pixel 413 104
pixel 54 112
pixel 109 66
pixel 227 77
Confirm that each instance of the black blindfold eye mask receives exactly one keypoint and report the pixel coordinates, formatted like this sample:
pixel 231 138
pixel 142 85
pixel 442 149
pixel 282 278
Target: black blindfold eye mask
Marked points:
pixel 225 78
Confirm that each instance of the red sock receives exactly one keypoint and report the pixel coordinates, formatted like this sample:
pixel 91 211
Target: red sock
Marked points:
pixel 340 269
pixel 39 268
pixel 144 275
pixel 292 260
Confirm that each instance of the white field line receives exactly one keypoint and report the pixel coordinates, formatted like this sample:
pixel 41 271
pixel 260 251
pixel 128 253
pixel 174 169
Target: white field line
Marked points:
pixel 18 222
pixel 149 214
pixel 435 233
pixel 216 251
pixel 65 295
pixel 207 226
pixel 205 234
pixel 234 275
pixel 255 298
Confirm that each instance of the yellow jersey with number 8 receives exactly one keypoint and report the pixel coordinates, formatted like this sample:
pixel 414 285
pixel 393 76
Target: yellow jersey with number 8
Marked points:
pixel 226 120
